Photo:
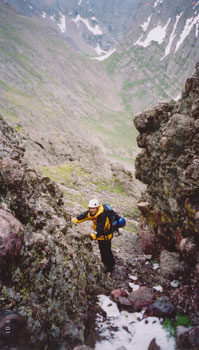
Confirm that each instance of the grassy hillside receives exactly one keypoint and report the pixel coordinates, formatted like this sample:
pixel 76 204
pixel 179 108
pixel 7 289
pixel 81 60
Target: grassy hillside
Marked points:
pixel 146 81
pixel 61 102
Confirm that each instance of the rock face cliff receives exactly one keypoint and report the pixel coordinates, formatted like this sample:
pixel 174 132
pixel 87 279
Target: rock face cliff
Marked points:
pixel 169 166
pixel 46 270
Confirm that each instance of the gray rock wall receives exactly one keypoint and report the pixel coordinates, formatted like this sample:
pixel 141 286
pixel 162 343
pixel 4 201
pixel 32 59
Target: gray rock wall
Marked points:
pixel 169 166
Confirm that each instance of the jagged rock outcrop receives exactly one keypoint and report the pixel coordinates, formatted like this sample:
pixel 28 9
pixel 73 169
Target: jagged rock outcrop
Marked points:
pixel 48 276
pixel 169 166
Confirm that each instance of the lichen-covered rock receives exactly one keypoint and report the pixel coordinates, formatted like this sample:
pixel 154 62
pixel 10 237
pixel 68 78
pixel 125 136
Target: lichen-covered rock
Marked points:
pixel 11 237
pixel 170 266
pixel 55 270
pixel 169 166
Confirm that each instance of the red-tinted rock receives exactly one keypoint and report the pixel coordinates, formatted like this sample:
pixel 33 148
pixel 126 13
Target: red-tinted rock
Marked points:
pixel 141 297
pixel 117 293
pixel 153 345
pixel 147 239
pixel 11 235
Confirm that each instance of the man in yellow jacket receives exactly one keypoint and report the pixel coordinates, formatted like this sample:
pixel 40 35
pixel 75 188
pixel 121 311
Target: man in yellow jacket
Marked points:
pixel 102 227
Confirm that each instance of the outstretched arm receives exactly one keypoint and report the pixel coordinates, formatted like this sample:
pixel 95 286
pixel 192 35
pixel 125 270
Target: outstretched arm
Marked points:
pixel 80 218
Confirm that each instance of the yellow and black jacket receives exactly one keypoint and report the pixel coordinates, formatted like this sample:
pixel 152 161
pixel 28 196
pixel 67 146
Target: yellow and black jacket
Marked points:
pixel 101 223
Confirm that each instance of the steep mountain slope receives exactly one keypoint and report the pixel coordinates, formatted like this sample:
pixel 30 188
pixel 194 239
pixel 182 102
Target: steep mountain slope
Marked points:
pixel 159 53
pixel 92 26
pixel 63 103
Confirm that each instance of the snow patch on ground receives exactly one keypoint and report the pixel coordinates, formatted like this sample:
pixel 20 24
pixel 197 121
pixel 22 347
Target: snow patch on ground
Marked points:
pixel 157 3
pixel 156 34
pixel 62 24
pixel 133 286
pixel 158 288
pixel 155 266
pixel 190 22
pixel 174 283
pixel 132 277
pixel 172 37
pixel 95 30
pixel 146 24
pixel 103 57
pixel 129 329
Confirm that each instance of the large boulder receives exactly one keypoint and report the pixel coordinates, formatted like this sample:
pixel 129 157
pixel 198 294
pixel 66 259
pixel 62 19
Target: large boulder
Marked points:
pixel 161 308
pixel 142 297
pixel 11 236
pixel 170 266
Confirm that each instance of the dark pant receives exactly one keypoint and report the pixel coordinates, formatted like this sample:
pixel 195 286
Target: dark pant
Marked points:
pixel 106 254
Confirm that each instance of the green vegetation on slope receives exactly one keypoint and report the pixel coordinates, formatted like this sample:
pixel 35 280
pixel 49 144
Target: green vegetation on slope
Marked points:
pixel 145 77
pixel 46 87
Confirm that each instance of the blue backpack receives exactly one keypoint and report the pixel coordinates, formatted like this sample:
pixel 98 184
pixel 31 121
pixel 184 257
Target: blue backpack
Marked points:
pixel 116 221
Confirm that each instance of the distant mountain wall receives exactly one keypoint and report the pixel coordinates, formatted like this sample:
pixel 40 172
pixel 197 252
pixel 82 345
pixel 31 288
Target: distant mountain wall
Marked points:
pixel 93 27
pixel 159 52
pixel 64 104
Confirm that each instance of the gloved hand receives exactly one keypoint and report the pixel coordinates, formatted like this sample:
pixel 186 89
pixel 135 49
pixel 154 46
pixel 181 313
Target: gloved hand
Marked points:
pixel 93 236
pixel 75 221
